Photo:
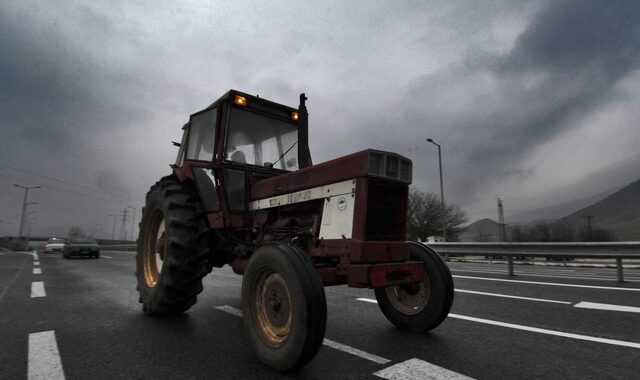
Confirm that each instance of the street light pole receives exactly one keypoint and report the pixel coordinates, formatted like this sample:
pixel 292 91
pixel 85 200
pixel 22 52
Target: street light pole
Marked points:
pixel 444 226
pixel 113 230
pixel 30 223
pixel 24 204
pixel 133 222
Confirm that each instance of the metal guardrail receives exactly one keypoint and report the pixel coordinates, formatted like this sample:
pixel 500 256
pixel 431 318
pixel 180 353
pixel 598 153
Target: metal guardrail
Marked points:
pixel 119 247
pixel 616 250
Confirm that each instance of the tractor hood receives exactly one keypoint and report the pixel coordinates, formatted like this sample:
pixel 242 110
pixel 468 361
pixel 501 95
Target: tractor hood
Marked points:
pixel 366 163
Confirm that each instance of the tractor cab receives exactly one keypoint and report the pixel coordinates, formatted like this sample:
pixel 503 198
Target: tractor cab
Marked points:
pixel 239 140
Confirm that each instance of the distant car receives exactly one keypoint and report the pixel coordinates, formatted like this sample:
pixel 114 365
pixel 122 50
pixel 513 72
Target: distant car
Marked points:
pixel 54 245
pixel 81 246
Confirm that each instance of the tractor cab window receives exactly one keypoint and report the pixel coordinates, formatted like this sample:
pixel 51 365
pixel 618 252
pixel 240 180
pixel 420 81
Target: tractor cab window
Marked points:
pixel 201 135
pixel 255 139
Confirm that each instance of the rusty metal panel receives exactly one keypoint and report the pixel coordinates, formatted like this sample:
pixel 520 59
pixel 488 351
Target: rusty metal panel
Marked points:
pixel 383 275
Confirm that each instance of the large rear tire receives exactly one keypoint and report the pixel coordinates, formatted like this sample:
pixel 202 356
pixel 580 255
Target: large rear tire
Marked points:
pixel 419 307
pixel 172 248
pixel 284 306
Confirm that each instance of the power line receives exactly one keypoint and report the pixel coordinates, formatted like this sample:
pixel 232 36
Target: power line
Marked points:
pixel 62 181
pixel 71 192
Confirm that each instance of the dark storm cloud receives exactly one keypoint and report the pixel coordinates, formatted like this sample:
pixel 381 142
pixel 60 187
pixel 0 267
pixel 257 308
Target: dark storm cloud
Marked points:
pixel 491 110
pixel 51 94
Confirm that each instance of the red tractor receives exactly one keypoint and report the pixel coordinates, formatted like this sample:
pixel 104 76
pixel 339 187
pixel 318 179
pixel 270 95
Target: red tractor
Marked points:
pixel 244 192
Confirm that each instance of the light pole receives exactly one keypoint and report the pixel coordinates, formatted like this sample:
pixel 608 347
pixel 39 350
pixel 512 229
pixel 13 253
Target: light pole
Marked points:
pixel 113 230
pixel 24 204
pixel 31 223
pixel 133 221
pixel 444 226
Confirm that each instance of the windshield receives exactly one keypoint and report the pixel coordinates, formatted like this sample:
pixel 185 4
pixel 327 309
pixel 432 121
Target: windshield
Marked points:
pixel 260 140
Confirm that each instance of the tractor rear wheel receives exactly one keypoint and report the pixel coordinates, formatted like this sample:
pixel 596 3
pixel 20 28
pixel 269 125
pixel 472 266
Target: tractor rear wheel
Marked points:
pixel 423 306
pixel 284 306
pixel 172 248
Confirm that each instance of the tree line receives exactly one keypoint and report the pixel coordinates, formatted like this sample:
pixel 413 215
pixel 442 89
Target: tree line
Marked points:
pixel 427 216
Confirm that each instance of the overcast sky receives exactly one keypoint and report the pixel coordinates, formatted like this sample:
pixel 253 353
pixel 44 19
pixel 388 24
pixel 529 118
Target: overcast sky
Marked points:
pixel 532 101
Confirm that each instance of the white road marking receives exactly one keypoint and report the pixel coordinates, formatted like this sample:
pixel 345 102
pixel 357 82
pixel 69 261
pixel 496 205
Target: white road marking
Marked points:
pixel 605 306
pixel 37 289
pixel 419 369
pixel 338 346
pixel 538 330
pixel 548 283
pixel 509 296
pixel 367 300
pixel 230 309
pixel 36 263
pixel 106 257
pixel 531 274
pixel 37 270
pixel 44 358
pixel 355 352
pixel 548 332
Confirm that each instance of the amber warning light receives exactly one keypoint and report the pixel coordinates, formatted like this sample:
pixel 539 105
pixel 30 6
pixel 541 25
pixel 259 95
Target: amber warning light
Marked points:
pixel 294 115
pixel 240 100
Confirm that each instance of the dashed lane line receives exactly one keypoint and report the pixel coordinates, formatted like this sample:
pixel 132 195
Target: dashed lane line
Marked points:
pixel 330 343
pixel 106 257
pixel 419 369
pixel 606 306
pixel 36 263
pixel 548 283
pixel 536 329
pixel 355 351
pixel 510 296
pixel 37 289
pixel 44 357
pixel 37 270
pixel 614 342
pixel 231 310
pixel 413 369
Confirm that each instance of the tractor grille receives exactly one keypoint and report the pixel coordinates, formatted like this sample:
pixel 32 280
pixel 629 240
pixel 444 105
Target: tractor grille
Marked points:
pixel 386 211
pixel 389 165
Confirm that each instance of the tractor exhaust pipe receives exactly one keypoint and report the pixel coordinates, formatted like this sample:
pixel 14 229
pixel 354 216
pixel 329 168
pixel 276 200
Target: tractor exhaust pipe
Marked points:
pixel 304 156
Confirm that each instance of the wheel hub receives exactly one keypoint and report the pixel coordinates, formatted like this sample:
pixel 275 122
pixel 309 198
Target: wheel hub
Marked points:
pixel 410 299
pixel 273 307
pixel 154 248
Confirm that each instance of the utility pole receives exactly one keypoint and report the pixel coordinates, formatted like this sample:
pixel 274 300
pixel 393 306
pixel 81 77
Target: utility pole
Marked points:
pixel 444 208
pixel 133 222
pixel 123 224
pixel 113 230
pixel 31 222
pixel 588 218
pixel 24 204
pixel 501 223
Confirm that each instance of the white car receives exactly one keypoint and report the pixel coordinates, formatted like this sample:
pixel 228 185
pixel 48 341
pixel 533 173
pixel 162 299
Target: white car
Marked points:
pixel 54 245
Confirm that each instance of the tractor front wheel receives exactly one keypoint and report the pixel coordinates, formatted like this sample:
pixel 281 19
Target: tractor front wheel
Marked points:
pixel 172 248
pixel 423 306
pixel 284 306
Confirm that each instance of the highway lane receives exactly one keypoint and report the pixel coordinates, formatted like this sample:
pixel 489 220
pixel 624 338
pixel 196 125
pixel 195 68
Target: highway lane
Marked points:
pixel 100 331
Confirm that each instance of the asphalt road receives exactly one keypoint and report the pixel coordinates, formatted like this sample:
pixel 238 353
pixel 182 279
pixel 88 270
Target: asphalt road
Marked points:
pixel 84 322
